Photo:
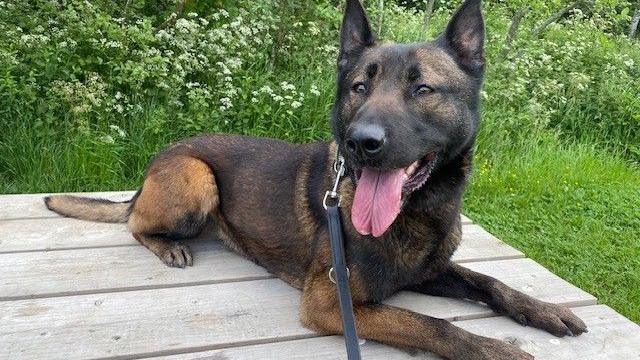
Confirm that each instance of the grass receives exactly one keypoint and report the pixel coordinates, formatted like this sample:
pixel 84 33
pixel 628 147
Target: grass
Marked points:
pixel 570 208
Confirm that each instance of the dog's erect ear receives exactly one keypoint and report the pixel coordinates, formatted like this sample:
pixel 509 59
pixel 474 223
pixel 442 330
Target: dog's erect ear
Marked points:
pixel 356 33
pixel 465 36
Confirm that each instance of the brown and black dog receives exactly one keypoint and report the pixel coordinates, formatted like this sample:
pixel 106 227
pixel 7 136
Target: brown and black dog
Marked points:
pixel 405 119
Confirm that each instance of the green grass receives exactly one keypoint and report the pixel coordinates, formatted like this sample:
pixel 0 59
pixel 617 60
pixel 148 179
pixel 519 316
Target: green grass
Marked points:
pixel 572 209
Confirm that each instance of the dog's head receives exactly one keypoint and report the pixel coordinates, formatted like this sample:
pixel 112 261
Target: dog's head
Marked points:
pixel 403 110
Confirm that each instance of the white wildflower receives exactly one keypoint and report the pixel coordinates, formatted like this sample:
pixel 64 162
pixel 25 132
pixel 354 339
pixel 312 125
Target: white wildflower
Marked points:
pixel 121 133
pixel 266 89
pixel 225 103
pixel 107 139
pixel 287 87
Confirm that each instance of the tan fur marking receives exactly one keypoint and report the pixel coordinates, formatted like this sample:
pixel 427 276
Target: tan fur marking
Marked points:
pixel 174 188
pixel 319 311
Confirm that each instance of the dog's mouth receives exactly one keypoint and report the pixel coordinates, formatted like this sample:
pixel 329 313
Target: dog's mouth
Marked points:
pixel 380 194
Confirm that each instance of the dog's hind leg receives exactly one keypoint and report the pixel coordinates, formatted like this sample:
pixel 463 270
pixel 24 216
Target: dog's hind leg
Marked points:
pixel 178 197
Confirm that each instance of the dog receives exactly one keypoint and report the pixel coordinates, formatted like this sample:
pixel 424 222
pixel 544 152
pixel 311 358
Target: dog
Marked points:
pixel 405 120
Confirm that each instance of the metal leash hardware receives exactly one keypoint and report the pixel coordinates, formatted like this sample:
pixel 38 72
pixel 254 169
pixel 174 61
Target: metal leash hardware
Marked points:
pixel 338 168
pixel 339 273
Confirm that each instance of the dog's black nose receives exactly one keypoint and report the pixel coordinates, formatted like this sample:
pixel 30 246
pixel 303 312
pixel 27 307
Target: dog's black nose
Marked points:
pixel 366 139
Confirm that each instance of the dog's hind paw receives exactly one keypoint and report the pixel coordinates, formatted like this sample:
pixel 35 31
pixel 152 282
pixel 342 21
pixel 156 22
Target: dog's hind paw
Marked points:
pixel 177 256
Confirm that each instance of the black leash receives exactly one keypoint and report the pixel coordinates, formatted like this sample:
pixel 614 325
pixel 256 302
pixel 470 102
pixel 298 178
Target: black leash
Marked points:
pixel 339 273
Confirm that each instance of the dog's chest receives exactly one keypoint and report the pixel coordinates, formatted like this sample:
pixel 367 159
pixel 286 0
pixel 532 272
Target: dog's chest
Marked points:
pixel 390 265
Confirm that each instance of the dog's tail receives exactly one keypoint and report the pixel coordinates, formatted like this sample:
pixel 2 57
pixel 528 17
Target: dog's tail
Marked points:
pixel 100 210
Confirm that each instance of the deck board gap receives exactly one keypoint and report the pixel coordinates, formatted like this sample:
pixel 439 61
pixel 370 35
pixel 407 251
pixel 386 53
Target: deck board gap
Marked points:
pixel 228 345
pixel 134 288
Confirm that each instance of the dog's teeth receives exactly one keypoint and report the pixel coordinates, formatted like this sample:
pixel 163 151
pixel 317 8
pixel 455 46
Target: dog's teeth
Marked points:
pixel 411 169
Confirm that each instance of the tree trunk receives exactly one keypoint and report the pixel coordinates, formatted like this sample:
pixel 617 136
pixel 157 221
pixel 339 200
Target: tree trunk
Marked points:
pixel 555 17
pixel 381 16
pixel 634 24
pixel 427 15
pixel 172 20
pixel 513 32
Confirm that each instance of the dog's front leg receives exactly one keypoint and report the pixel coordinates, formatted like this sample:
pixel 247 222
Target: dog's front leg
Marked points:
pixel 398 327
pixel 459 282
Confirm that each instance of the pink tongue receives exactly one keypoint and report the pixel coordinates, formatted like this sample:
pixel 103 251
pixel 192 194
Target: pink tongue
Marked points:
pixel 377 201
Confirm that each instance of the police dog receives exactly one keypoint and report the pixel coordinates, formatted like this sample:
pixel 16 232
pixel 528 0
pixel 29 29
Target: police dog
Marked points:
pixel 405 120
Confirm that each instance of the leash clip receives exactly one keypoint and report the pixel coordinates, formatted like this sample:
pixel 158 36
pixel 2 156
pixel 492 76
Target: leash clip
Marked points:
pixel 338 167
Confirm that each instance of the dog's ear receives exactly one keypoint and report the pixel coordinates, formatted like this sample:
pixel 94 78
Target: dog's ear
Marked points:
pixel 356 33
pixel 465 36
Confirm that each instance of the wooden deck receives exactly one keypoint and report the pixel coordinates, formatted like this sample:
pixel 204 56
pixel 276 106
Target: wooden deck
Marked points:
pixel 71 289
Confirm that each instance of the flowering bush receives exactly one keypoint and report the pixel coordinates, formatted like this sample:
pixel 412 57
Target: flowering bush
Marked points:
pixel 86 69
pixel 578 80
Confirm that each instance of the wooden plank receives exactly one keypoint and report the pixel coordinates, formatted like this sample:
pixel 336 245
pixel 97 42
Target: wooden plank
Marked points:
pixel 140 322
pixel 26 206
pixel 204 317
pixel 59 273
pixel 478 245
pixel 611 336
pixel 533 279
pixel 60 233
pixel 318 348
pixel 91 270
pixel 63 233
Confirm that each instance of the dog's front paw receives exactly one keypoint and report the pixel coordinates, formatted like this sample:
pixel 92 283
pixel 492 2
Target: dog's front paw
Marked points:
pixel 556 319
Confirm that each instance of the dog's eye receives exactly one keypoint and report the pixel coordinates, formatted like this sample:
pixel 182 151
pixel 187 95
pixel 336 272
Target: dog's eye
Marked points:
pixel 422 90
pixel 359 88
